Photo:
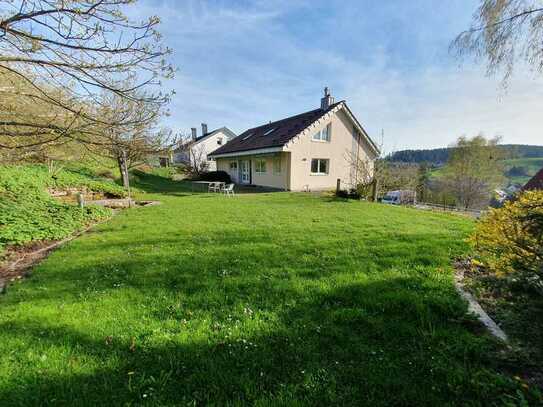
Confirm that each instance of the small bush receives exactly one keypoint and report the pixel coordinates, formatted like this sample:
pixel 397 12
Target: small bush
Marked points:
pixel 217 176
pixel 105 173
pixel 509 240
pixel 28 213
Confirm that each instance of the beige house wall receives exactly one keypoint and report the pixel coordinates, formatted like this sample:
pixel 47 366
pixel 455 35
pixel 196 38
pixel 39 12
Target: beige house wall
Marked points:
pixel 270 178
pixel 345 144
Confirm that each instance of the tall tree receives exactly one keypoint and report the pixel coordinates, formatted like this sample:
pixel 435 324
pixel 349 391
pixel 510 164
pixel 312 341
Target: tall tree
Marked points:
pixel 474 169
pixel 138 136
pixel 83 47
pixel 503 32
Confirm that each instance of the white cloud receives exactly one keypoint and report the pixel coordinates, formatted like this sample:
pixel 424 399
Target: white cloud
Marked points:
pixel 242 65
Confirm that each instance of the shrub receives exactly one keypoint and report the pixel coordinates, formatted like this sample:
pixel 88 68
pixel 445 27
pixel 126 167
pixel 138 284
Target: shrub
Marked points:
pixel 509 240
pixel 28 213
pixel 218 176
pixel 105 173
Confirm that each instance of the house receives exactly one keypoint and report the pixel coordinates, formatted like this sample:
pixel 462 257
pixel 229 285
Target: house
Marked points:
pixel 195 151
pixel 535 183
pixel 306 152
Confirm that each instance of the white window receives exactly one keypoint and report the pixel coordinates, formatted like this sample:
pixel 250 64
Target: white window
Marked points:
pixel 260 166
pixel 219 141
pixel 324 134
pixel 233 165
pixel 277 165
pixel 319 166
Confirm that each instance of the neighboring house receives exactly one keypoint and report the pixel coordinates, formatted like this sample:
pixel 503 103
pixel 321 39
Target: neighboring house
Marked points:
pixel 196 151
pixel 536 182
pixel 309 151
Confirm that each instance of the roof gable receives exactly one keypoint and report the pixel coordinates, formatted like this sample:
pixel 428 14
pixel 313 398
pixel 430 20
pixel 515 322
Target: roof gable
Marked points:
pixel 225 130
pixel 229 133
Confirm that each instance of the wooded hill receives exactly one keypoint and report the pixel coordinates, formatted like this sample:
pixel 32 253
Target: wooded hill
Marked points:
pixel 439 156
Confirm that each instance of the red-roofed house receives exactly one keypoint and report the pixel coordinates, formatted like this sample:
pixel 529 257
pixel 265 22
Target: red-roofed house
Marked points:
pixel 536 182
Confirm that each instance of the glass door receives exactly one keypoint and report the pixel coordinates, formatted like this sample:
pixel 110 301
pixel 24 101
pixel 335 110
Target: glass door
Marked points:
pixel 245 167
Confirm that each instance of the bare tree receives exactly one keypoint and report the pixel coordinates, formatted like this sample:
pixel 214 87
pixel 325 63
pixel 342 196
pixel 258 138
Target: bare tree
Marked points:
pixel 194 155
pixel 65 54
pixel 138 137
pixel 374 178
pixel 502 32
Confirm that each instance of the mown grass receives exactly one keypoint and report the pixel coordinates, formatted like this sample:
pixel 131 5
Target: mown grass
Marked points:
pixel 261 299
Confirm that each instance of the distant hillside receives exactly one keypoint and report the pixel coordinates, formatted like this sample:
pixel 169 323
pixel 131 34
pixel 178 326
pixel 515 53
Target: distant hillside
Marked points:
pixel 438 156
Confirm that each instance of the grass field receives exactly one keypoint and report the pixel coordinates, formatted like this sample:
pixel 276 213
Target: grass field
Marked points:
pixel 530 167
pixel 261 299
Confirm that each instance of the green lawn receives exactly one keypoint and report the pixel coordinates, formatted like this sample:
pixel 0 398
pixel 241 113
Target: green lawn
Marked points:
pixel 266 299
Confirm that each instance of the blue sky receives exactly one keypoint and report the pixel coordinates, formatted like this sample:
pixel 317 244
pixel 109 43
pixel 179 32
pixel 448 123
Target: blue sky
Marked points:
pixel 244 63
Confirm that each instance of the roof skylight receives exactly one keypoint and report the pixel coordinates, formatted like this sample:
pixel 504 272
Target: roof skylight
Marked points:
pixel 246 137
pixel 270 131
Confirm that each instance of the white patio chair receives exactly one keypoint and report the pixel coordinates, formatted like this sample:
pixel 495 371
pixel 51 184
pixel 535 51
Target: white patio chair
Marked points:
pixel 213 187
pixel 229 190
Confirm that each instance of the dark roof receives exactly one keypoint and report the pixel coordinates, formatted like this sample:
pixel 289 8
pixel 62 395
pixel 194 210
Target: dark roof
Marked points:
pixel 536 182
pixel 274 134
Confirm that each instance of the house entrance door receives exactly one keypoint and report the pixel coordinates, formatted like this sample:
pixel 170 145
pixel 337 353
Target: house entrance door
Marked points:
pixel 245 169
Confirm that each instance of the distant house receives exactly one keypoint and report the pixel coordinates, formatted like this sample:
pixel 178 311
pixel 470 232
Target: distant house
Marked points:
pixel 535 183
pixel 309 151
pixel 196 150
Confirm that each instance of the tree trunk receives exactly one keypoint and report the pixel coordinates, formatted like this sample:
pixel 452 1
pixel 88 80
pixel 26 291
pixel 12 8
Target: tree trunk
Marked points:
pixel 123 168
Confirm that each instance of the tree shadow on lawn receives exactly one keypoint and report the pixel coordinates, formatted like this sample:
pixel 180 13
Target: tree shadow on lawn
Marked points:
pixel 372 343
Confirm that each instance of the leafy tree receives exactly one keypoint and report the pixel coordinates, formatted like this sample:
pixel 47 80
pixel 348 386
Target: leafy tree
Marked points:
pixel 473 170
pixel 422 180
pixel 503 32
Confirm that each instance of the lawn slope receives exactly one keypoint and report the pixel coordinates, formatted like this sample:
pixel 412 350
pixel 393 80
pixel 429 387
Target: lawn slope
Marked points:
pixel 29 214
pixel 266 299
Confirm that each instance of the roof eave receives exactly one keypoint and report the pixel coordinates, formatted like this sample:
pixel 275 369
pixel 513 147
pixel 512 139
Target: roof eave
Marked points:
pixel 254 151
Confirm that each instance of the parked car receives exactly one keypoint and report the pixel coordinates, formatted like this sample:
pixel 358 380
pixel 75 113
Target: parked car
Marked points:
pixel 401 197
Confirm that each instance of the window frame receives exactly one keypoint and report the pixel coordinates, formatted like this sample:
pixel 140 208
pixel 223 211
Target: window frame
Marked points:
pixel 233 167
pixel 319 160
pixel 259 170
pixel 317 137
pixel 277 162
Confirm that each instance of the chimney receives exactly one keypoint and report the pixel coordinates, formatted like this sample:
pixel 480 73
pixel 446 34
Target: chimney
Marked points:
pixel 193 132
pixel 204 129
pixel 327 100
